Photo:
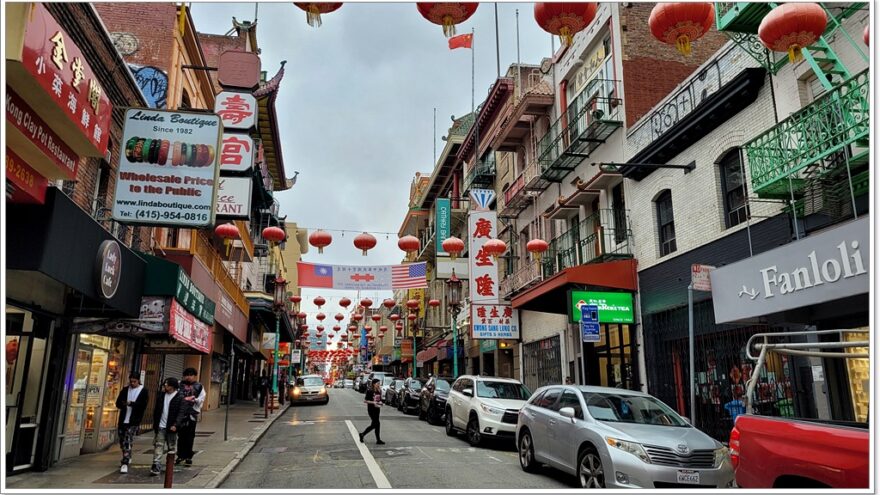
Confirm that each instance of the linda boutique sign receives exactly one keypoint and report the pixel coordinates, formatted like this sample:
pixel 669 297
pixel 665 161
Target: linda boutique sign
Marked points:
pixel 822 267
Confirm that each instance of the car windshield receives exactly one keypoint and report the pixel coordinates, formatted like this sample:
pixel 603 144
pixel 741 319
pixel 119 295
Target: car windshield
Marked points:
pixel 442 385
pixel 310 381
pixel 415 384
pixel 388 380
pixel 623 408
pixel 398 383
pixel 501 390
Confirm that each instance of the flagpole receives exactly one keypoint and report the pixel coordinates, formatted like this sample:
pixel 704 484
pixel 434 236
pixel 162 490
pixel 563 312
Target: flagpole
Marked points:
pixel 434 136
pixel 497 45
pixel 473 107
pixel 518 70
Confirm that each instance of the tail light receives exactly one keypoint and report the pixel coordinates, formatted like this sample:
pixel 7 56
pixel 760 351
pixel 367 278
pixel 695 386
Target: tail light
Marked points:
pixel 734 447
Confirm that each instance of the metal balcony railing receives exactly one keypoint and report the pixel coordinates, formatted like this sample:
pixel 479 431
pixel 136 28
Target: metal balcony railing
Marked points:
pixel 604 235
pixel 587 122
pixel 102 213
pixel 838 119
pixel 202 248
pixel 482 174
pixel 524 277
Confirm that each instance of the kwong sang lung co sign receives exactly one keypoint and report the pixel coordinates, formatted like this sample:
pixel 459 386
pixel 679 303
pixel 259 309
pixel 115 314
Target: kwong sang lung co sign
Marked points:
pixel 822 267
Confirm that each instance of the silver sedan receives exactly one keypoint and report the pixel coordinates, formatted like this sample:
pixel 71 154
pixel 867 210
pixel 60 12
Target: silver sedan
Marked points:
pixel 614 438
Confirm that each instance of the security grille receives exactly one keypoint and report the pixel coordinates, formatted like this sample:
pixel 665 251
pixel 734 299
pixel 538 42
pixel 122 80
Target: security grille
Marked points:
pixel 542 363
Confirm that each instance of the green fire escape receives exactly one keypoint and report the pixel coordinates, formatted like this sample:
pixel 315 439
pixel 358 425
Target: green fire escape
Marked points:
pixel 817 158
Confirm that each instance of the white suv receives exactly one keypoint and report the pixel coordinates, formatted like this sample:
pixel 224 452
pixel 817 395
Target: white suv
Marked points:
pixel 484 406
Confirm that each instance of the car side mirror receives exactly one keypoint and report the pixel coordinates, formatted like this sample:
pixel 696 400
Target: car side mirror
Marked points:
pixel 468 392
pixel 567 412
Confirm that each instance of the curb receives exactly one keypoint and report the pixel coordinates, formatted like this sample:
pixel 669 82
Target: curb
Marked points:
pixel 249 445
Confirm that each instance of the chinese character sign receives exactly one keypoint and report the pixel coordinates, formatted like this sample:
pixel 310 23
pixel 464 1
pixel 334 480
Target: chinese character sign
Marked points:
pixel 57 65
pixel 483 281
pixel 238 110
pixel 494 321
pixel 236 153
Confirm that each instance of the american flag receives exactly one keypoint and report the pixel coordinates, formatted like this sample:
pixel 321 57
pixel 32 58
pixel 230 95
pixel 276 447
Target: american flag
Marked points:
pixel 409 276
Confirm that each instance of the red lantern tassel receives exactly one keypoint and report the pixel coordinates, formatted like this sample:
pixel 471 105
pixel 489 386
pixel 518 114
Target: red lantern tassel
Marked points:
pixel 313 17
pixel 448 26
pixel 565 36
pixel 683 44
pixel 794 53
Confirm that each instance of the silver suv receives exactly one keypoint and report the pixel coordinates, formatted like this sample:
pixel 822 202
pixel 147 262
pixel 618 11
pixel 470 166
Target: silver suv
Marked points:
pixel 484 406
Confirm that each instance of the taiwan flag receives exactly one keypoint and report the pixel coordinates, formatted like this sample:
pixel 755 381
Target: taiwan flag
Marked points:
pixel 314 275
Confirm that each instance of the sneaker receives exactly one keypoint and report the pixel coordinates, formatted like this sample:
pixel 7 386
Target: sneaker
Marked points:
pixel 154 471
pixel 178 461
pixel 380 442
pixel 361 436
pixel 189 462
pixel 123 469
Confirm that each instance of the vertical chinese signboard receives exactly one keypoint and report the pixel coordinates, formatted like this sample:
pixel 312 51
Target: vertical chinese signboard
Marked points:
pixel 483 281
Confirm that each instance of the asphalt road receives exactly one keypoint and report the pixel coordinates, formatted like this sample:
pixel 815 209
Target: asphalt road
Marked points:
pixel 316 446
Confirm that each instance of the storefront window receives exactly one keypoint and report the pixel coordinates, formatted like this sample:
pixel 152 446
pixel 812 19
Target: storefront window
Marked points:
pixel 859 374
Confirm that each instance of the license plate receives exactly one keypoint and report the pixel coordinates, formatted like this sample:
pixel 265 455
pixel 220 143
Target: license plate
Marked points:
pixel 688 476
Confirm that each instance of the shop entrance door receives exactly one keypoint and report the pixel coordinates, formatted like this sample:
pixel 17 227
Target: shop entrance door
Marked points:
pixel 86 399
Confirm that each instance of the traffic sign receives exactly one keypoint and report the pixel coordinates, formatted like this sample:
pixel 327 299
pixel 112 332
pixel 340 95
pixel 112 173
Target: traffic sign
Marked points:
pixel 700 277
pixel 589 323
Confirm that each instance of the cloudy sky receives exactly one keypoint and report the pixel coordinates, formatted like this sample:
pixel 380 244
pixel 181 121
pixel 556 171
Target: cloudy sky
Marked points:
pixel 356 107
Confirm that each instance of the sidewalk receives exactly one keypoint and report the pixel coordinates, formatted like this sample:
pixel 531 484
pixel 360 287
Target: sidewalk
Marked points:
pixel 214 458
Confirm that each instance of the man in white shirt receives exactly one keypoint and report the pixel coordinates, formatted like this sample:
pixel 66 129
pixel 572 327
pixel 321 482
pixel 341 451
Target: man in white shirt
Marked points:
pixel 132 402
pixel 168 414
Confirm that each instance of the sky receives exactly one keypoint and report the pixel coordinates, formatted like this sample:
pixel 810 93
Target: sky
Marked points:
pixel 356 109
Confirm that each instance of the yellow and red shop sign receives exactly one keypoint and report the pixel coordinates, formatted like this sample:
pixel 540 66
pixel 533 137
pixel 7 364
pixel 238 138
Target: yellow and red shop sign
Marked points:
pixel 51 74
pixel 27 185
pixel 36 142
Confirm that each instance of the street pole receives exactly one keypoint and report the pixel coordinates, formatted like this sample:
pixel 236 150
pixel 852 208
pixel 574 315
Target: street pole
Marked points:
pixel 454 344
pixel 693 380
pixel 228 394
pixel 275 356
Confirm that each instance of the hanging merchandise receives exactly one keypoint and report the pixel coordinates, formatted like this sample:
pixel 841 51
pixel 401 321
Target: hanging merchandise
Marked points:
pixel 447 14
pixel 681 23
pixel 565 19
pixel 315 9
pixel 791 27
pixel 364 241
pixel 227 232
pixel 454 246
pixel 537 247
pixel 320 239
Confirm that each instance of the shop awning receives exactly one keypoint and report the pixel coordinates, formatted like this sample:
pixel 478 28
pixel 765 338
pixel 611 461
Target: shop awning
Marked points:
pixel 550 296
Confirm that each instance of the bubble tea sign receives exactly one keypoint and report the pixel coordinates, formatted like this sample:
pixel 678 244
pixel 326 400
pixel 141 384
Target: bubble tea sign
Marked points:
pixel 168 168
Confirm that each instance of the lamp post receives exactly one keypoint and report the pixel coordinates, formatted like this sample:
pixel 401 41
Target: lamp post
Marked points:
pixel 280 292
pixel 453 301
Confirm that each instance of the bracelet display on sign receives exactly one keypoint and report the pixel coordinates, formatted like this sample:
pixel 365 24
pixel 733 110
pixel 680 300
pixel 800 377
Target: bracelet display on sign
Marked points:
pixel 157 151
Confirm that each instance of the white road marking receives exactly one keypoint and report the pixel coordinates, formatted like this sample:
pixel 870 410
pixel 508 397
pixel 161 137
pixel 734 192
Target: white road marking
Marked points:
pixel 375 471
pixel 496 459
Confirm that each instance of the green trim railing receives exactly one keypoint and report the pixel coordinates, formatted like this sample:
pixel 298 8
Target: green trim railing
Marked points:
pixel 836 120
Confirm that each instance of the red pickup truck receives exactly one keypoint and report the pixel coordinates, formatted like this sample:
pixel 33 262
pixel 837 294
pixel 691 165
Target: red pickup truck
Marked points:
pixel 769 452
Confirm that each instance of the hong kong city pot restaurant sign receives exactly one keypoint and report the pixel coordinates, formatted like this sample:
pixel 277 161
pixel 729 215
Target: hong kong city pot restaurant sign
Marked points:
pixel 168 168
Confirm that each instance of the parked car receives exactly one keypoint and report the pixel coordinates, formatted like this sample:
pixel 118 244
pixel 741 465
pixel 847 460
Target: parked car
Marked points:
pixel 483 406
pixel 385 382
pixel 592 432
pixel 356 385
pixel 347 383
pixel 362 385
pixel 309 388
pixel 770 452
pixel 432 400
pixel 338 384
pixel 409 396
pixel 393 392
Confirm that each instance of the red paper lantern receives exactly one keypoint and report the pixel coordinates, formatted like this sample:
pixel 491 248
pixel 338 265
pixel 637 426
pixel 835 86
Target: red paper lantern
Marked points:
pixel 413 304
pixel 454 246
pixel 434 303
pixel 383 329
pixel 339 317
pixel 495 247
pixel 447 14
pixel 315 9
pixel 412 317
pixel 304 327
pixel 345 302
pixel 388 303
pixel 336 328
pixel 320 240
pixel 565 19
pixel 274 234
pixel 537 247
pixel 227 232
pixel 357 317
pixel 352 328
pixel 792 26
pixel 376 317
pixel 319 301
pixel 320 328
pixel 366 302
pixel 368 328
pixel 409 244
pixel 295 299
pixel 866 35
pixel 364 242
pixel 394 317
pixel 320 316
pixel 681 23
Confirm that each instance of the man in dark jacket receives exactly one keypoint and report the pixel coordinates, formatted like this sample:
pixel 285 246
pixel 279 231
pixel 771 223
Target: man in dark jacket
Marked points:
pixel 131 402
pixel 168 414
pixel 193 394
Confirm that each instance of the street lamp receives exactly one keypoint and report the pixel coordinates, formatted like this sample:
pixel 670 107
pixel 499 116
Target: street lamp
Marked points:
pixel 280 292
pixel 453 301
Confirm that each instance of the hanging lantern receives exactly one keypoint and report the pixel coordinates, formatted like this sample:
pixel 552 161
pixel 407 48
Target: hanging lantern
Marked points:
pixel 866 35
pixel 792 26
pixel 399 328
pixel 454 246
pixel 320 239
pixel 382 330
pixel 413 304
pixel 394 317
pixel 320 328
pixel 364 242
pixel 337 328
pixel 537 247
pixel 227 232
pixel 304 328
pixel 339 317
pixel 681 23
pixel 352 328
pixel 345 302
pixel 295 299
pixel 314 11
pixel 447 14
pixel 495 247
pixel 412 317
pixel 388 303
pixel 376 317
pixel 368 328
pixel 366 302
pixel 565 19
pixel 410 245
pixel 319 301
pixel 357 317
pixel 320 316
pixel 302 315
pixel 274 234
pixel 434 303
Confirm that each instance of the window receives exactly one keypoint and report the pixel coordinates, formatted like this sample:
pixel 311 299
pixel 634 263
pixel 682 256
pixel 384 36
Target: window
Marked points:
pixel 665 223
pixel 618 207
pixel 570 399
pixel 501 390
pixel 536 399
pixel 733 188
pixel 548 400
pixel 636 409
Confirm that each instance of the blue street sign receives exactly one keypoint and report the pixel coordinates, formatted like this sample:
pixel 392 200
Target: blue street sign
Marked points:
pixel 590 323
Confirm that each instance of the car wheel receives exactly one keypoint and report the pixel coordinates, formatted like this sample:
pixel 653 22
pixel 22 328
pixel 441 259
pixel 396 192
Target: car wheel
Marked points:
pixel 421 413
pixel 473 431
pixel 527 453
pixel 450 429
pixel 431 415
pixel 590 472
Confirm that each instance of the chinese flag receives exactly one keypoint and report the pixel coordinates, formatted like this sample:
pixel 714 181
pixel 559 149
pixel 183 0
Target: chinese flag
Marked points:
pixel 461 41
